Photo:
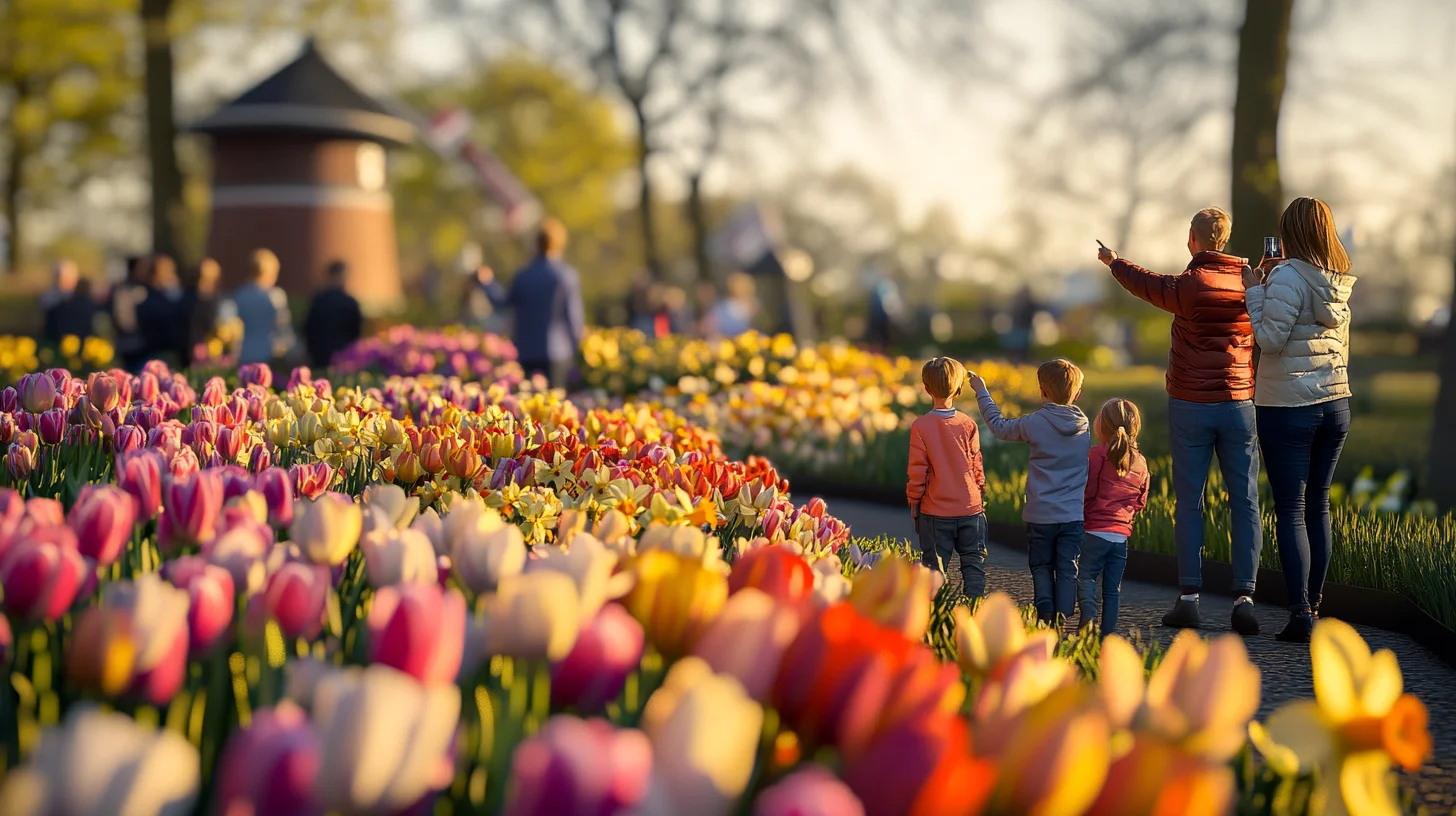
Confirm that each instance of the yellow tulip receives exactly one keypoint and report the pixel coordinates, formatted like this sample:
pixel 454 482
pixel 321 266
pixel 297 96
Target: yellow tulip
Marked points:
pixel 327 529
pixel 675 598
pixel 1019 686
pixel 895 593
pixel 1185 785
pixel 1358 723
pixel 995 634
pixel 1203 695
pixel 1057 757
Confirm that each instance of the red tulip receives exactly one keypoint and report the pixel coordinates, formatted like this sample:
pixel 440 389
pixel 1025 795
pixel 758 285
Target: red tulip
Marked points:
pixel 608 649
pixel 42 573
pixel 192 504
pixel 922 767
pixel 103 518
pixel 139 473
pixel 271 766
pixel 297 598
pixel 210 600
pixel 418 629
pixel 310 481
pixel 776 571
pixel 37 393
pixel 276 485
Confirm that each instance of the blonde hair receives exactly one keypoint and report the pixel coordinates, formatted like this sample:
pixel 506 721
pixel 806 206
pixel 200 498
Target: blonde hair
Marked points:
pixel 1307 229
pixel 1060 380
pixel 1118 425
pixel 943 377
pixel 263 264
pixel 551 240
pixel 1212 226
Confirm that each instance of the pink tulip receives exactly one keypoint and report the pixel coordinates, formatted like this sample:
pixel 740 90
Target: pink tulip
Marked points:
pixel 42 573
pixel 276 485
pixel 19 462
pixel 8 428
pixel 418 629
pixel 166 437
pixel 813 791
pixel 260 458
pixel 192 504
pixel 271 766
pixel 128 438
pixel 52 426
pixel 748 638
pixel 45 513
pixel 579 766
pixel 235 482
pixel 146 618
pixel 210 600
pixel 608 649
pixel 9 400
pixel 230 443
pixel 7 640
pixel 12 515
pixel 139 473
pixel 103 518
pixel 37 393
pixel 214 393
pixel 240 549
pixel 310 481
pixel 297 598
pixel 184 462
pixel 300 375
pixel 104 391
pixel 200 435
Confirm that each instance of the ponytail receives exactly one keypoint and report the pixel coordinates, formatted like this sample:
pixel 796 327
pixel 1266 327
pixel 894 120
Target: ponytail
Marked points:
pixel 1118 424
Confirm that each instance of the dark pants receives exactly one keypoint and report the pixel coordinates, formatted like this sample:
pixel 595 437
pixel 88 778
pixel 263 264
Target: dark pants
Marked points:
pixel 1052 552
pixel 965 536
pixel 1301 448
pixel 556 372
pixel 1105 560
pixel 1196 431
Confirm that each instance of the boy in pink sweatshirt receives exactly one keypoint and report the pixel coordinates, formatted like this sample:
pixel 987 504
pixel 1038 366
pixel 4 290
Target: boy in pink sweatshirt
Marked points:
pixel 946 479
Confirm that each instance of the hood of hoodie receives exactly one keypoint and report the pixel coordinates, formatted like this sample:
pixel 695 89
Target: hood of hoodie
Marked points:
pixel 1067 420
pixel 1332 292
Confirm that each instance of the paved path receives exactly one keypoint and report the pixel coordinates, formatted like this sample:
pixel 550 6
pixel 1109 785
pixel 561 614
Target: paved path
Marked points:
pixel 1285 667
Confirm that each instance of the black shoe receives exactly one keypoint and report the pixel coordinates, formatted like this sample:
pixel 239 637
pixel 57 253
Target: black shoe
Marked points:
pixel 1183 615
pixel 1243 620
pixel 1298 629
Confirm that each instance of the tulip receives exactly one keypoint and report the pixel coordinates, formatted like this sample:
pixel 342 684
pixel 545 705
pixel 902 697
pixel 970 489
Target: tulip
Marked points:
pixel 579 766
pixel 104 391
pixel 327 528
pixel 210 600
pixel 240 550
pixel 52 426
pixel 589 564
pixel 310 481
pixel 428 523
pixel 399 556
pixel 214 392
pixel 923 767
pixel 139 473
pixel 813 791
pixel 260 459
pixel 996 634
pixel 7 640
pixel 418 629
pixel 230 444
pixel 533 616
pixel 830 585
pixel 259 374
pixel 134 642
pixel 37 393
pixel 8 428
pixel 40 512
pixel 775 570
pixel 747 640
pixel 1202 695
pixel 103 518
pixel 271 766
pixel 1005 699
pixel 104 762
pixel 276 485
pixel 897 594
pixel 608 648
pixel 20 462
pixel 297 598
pixel 705 733
pixel 1186 784
pixel 483 548
pixel 1060 756
pixel 390 504
pixel 675 598
pixel 42 572
pixel 386 739
pixel 192 504
pixel 688 541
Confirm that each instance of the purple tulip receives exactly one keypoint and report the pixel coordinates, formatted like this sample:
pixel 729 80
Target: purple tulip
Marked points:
pixel 813 791
pixel 579 766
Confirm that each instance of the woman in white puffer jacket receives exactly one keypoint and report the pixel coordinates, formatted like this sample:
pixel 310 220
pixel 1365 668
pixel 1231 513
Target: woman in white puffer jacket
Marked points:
pixel 1301 318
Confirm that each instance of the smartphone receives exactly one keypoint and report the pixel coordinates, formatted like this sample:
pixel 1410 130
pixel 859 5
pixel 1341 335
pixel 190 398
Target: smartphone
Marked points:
pixel 1272 248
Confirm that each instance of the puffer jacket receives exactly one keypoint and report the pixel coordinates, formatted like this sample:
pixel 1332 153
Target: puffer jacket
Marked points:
pixel 1301 318
pixel 1211 358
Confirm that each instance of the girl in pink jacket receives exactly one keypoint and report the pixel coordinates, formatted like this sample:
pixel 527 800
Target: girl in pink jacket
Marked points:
pixel 1117 488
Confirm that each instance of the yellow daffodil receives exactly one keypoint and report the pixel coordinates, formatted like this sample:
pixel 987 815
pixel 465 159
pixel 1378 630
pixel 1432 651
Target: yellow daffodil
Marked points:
pixel 1357 725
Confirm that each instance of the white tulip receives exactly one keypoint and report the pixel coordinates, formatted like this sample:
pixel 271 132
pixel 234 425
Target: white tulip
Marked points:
pixel 394 556
pixel 392 506
pixel 484 549
pixel 534 616
pixel 589 564
pixel 433 527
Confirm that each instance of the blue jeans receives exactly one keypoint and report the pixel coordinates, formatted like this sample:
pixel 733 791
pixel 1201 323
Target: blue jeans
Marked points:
pixel 1301 448
pixel 1107 560
pixel 964 535
pixel 1052 551
pixel 1196 431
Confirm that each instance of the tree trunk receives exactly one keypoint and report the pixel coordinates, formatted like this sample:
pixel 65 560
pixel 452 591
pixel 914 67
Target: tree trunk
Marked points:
pixel 1256 194
pixel 698 218
pixel 161 126
pixel 644 194
pixel 1440 477
pixel 15 167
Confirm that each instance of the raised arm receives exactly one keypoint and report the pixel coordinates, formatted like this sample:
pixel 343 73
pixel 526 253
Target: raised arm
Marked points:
pixel 1012 430
pixel 1167 292
pixel 1273 308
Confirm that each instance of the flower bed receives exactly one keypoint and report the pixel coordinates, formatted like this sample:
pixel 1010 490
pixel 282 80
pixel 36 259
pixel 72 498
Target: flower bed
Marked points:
pixel 440 596
pixel 407 351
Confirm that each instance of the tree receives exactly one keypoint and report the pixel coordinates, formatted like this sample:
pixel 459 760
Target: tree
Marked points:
pixel 66 87
pixel 1257 194
pixel 166 177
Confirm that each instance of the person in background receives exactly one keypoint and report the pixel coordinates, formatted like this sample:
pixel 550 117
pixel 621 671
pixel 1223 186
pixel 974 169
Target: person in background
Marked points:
pixel 946 481
pixel 1210 407
pixel 1301 319
pixel 545 296
pixel 201 307
pixel 263 309
pixel 126 297
pixel 162 315
pixel 639 303
pixel 733 315
pixel 886 311
pixel 1056 481
pixel 334 319
pixel 54 301
pixel 1117 489
pixel 675 308
pixel 707 298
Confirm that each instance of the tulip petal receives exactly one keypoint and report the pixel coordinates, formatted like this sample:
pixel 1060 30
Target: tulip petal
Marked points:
pixel 1365 785
pixel 1341 659
pixel 1121 680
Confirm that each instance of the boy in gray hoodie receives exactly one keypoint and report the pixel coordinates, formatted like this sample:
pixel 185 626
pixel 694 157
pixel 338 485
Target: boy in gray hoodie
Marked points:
pixel 1056 479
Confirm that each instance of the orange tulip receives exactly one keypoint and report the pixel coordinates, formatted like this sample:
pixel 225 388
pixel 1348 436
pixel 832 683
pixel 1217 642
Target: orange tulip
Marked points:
pixel 922 767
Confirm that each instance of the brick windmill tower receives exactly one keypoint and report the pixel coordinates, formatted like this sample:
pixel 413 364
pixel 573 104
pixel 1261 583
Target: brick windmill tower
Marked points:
pixel 299 168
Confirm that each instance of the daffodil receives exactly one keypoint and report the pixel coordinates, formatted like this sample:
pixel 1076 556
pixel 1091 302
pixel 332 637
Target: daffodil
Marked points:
pixel 1359 723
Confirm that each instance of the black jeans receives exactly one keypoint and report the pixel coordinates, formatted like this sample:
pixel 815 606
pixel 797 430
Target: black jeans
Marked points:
pixel 1301 448
pixel 1052 553
pixel 556 372
pixel 966 536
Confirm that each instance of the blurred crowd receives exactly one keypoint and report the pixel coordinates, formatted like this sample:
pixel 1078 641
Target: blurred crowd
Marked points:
pixel 157 312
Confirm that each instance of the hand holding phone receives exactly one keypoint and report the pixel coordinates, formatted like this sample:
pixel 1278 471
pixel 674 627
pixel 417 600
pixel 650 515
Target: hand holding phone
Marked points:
pixel 1273 254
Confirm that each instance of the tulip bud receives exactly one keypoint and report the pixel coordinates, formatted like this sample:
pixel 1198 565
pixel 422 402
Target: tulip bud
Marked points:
pixel 272 765
pixel 8 428
pixel 42 573
pixel 229 443
pixel 37 393
pixel 418 629
pixel 276 485
pixel 128 438
pixel 407 468
pixel 259 374
pixel 607 649
pixel 326 529
pixel 103 518
pixel 139 473
pixel 19 462
pixel 52 426
pixel 192 504
pixel 297 598
pixel 103 391
pixel 9 400
pixel 210 601
pixel 214 393
pixel 431 459
pixel 260 458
